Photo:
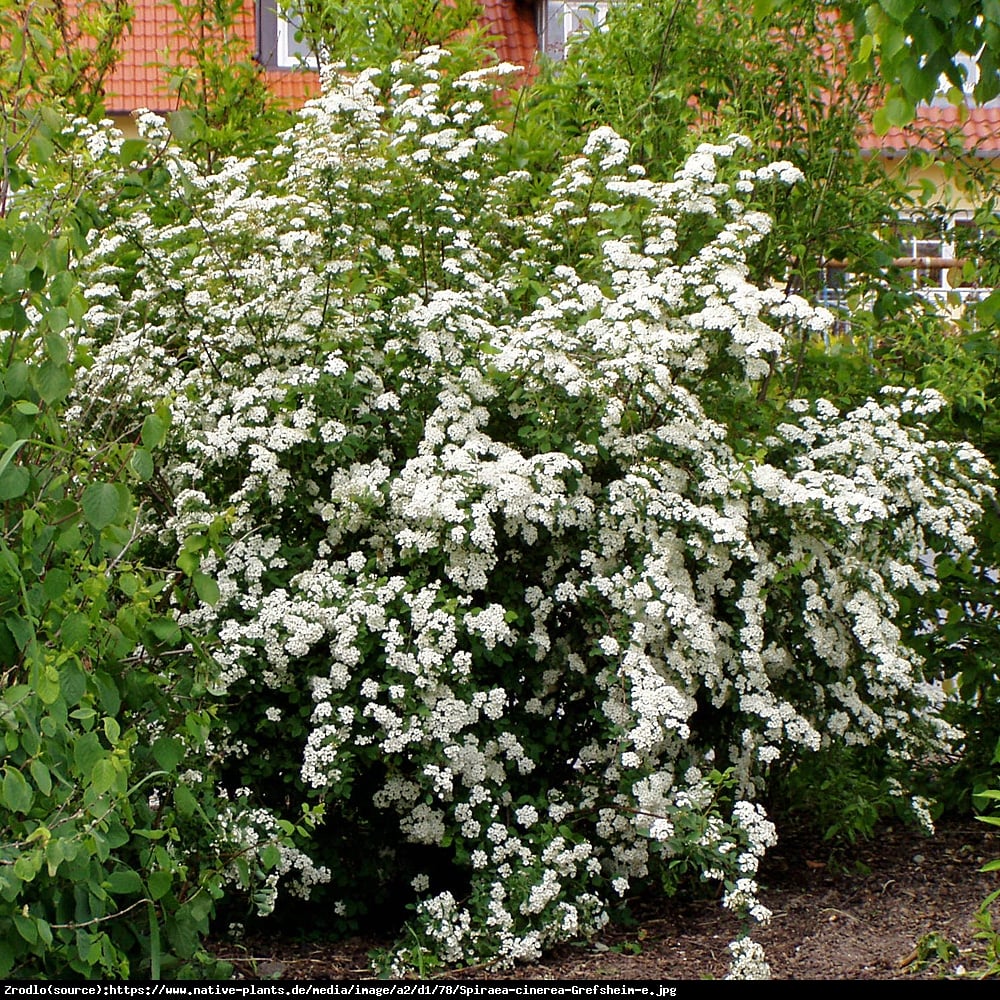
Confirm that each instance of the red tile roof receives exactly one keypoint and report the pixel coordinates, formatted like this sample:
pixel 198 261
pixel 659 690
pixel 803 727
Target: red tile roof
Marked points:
pixel 140 81
pixel 975 130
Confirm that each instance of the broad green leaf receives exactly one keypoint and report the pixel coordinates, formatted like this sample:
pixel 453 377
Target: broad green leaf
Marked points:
pixel 898 10
pixel 14 482
pixel 48 686
pixel 61 287
pixel 207 588
pixel 28 865
pixel 15 379
pixel 102 778
pixel 154 430
pixel 125 883
pixel 87 752
pixel 13 280
pixel 101 504
pixel 55 855
pixel 21 629
pixel 75 630
pixel 112 730
pixel 166 630
pixel 158 884
pixel 17 795
pixel 57 319
pixel 26 927
pixel 53 382
pixel 168 752
pixel 184 801
pixel 41 776
pixel 141 463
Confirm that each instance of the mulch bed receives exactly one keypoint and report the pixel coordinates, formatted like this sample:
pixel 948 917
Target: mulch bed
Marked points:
pixel 899 906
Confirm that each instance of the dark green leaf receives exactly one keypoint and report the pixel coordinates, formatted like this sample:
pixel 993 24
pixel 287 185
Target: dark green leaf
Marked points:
pixel 53 382
pixel 125 883
pixel 158 884
pixel 168 752
pixel 101 504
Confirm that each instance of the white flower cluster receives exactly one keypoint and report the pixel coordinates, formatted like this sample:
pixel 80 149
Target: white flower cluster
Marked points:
pixel 489 542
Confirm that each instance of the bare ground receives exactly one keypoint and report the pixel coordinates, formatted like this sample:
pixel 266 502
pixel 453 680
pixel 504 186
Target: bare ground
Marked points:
pixel 900 906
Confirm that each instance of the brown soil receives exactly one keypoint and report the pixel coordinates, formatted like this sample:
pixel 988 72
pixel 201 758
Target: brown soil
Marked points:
pixel 900 906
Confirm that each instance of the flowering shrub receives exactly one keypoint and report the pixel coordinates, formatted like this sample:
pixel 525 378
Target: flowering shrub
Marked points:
pixel 510 556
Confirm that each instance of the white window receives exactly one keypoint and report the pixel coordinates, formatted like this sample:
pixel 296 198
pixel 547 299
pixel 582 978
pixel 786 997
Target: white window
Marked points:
pixel 970 66
pixel 277 46
pixel 935 250
pixel 559 20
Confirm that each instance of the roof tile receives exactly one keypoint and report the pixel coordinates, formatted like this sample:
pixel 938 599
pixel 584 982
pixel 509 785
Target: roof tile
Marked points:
pixel 140 79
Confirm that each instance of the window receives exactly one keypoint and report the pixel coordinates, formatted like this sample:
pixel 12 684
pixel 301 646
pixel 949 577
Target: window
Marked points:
pixel 934 249
pixel 937 250
pixel 277 48
pixel 944 96
pixel 559 20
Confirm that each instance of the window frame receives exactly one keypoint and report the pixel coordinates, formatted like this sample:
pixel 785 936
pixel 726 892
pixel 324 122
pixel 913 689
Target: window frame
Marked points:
pixel 276 45
pixel 558 21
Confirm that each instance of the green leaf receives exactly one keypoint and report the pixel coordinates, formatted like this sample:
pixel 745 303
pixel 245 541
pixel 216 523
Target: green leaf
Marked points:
pixel 158 884
pixel 57 319
pixel 55 855
pixel 168 752
pixel 16 379
pixel 53 382
pixel 14 279
pixel 764 8
pixel 132 150
pixel 184 801
pixel 207 588
pixel 41 776
pixel 14 482
pixel 75 630
pixel 898 10
pixel 101 504
pixel 48 686
pixel 26 928
pixel 166 630
pixel 141 463
pixel 125 883
pixel 17 795
pixel 154 431
pixel 899 111
pixel 60 288
pixel 87 752
pixel 102 778
pixel 112 730
pixel 21 629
